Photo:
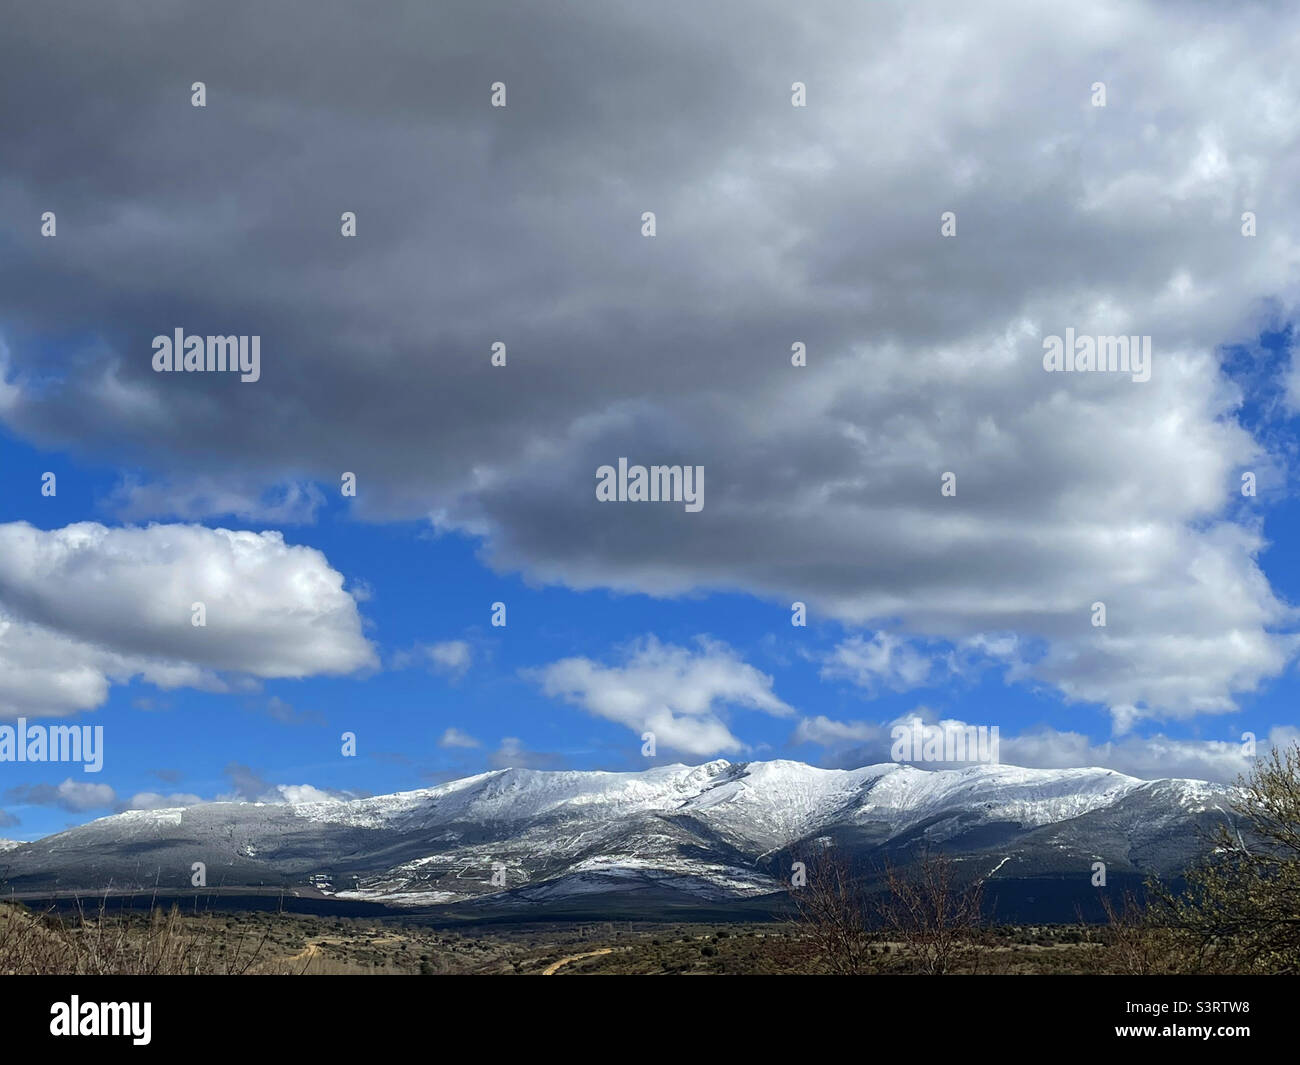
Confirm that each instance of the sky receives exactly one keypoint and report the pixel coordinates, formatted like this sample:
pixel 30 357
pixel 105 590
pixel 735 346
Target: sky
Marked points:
pixel 915 196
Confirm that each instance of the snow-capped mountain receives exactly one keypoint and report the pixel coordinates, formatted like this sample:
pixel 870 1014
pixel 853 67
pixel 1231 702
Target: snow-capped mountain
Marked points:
pixel 719 831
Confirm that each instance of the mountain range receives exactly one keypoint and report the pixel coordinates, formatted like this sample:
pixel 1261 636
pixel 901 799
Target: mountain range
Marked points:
pixel 721 835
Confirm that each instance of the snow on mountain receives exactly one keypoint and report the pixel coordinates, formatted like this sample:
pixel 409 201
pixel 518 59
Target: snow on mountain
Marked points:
pixel 719 830
pixel 1001 793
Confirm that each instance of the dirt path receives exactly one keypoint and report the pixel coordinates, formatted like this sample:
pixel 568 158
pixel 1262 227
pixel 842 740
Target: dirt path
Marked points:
pixel 310 951
pixel 551 969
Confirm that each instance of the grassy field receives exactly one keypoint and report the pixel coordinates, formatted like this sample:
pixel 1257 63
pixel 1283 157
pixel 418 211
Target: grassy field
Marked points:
pixel 273 943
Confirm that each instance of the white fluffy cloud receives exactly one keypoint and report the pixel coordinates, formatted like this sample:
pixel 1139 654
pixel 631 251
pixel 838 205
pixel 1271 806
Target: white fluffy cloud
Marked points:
pixel 884 660
pixel 679 694
pixel 854 743
pixel 454 737
pixel 86 606
pixel 303 793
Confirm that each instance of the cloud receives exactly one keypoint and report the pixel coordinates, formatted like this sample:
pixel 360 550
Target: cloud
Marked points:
pixel 454 737
pixel 676 693
pixel 512 754
pixel 7 820
pixel 279 710
pixel 87 606
pixel 451 657
pixel 250 785
pixel 776 224
pixel 855 743
pixel 43 673
pixel 78 797
pixel 291 504
pixel 883 661
pixel 822 730
pixel 73 795
pixel 308 793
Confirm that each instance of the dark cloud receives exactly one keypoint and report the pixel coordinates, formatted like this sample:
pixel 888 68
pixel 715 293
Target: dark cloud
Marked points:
pixel 248 783
pixel 73 795
pixel 776 224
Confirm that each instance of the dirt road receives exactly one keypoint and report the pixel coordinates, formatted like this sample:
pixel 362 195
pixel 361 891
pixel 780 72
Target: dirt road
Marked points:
pixel 551 969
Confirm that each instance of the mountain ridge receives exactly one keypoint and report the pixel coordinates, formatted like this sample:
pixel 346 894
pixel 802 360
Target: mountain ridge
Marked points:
pixel 713 832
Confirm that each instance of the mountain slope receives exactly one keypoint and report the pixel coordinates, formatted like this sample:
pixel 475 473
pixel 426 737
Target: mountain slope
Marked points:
pixel 719 831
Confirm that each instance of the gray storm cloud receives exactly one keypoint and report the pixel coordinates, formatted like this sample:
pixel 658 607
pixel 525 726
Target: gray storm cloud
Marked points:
pixel 775 225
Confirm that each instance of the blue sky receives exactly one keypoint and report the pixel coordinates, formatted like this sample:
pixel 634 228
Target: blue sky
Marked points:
pixel 424 589
pixel 129 207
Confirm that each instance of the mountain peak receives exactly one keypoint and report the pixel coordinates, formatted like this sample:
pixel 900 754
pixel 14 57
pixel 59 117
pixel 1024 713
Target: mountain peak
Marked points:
pixel 719 830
